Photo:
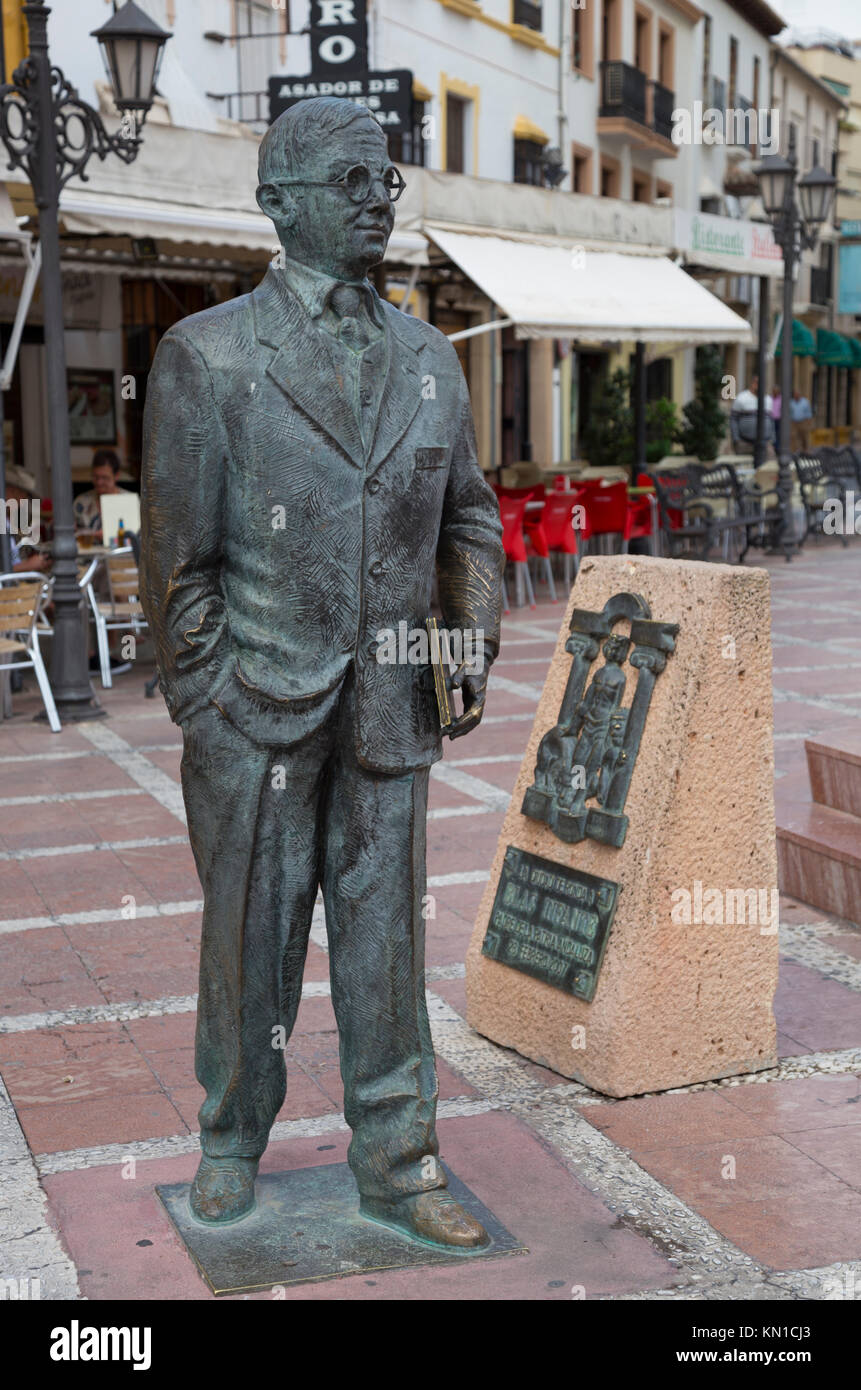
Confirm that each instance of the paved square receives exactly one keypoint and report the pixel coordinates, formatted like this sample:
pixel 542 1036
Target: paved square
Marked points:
pixel 747 1188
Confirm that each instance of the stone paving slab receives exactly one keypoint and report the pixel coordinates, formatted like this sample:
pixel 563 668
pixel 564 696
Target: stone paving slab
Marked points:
pixel 616 1199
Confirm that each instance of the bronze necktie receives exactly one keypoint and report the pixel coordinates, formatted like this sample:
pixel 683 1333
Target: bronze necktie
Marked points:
pixel 346 301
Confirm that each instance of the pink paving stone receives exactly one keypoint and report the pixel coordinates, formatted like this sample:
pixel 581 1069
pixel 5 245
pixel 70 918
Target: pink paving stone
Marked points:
pixel 454 994
pixel 821 1014
pixel 462 899
pixel 85 1042
pixel 166 1034
pixel 113 1119
pixel 64 775
pixel 573 1239
pixel 789 1047
pixel 51 824
pixel 43 974
pixel 19 896
pixel 820 683
pixel 147 958
pixel 447 944
pixel 796 716
pixel 658 1122
pixel 167 762
pixel 501 775
pixel 796 1230
pixel 806 1103
pixel 440 794
pixel 58 1085
pixel 167 871
pixel 767 1168
pixel 837 1149
pixel 81 882
pixel 129 818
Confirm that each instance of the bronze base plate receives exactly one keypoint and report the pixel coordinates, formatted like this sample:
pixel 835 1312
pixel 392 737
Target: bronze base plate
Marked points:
pixel 306 1227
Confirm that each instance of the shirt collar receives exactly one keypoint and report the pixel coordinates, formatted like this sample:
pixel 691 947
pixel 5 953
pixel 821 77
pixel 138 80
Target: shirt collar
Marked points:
pixel 313 287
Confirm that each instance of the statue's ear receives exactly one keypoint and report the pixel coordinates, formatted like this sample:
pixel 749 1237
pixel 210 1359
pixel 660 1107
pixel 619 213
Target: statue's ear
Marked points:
pixel 276 202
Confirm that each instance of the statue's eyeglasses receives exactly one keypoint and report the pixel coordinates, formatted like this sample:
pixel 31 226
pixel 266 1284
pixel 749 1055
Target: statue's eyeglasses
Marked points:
pixel 358 181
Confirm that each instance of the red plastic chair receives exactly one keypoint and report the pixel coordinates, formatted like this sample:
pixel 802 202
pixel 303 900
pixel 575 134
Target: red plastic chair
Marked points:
pixel 561 535
pixel 612 512
pixel 537 545
pixel 512 511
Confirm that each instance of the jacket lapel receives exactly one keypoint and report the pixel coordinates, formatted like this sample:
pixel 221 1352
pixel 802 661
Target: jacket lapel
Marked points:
pixel 402 394
pixel 302 365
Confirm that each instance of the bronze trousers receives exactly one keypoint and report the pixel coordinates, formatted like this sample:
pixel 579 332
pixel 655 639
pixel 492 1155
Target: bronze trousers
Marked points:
pixel 268 825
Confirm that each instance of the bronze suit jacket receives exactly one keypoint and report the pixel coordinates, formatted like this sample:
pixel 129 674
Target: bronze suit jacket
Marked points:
pixel 277 547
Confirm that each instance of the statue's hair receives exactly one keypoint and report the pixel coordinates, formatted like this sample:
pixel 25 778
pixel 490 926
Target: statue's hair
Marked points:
pixel 301 129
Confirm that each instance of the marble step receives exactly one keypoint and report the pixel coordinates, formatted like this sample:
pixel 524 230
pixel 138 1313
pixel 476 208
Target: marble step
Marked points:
pixel 818 852
pixel 834 768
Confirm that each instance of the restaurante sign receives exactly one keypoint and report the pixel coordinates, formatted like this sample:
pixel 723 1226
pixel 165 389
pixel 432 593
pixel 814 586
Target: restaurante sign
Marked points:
pixel 727 243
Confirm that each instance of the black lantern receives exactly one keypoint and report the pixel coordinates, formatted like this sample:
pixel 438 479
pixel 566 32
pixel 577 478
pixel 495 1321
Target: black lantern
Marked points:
pixel 815 192
pixel 132 46
pixel 774 173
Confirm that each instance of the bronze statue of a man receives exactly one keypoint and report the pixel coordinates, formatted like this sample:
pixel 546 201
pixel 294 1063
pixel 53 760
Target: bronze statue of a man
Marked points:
pixel 309 460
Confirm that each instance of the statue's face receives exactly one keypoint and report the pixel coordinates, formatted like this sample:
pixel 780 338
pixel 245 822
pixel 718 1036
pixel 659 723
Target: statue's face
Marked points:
pixel 323 227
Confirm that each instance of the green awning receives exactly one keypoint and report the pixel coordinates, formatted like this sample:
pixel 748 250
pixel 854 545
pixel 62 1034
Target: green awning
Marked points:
pixel 803 341
pixel 832 349
pixel 855 349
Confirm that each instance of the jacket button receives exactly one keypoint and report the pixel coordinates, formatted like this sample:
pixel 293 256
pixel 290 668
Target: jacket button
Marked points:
pixel 377 569
pixel 374 485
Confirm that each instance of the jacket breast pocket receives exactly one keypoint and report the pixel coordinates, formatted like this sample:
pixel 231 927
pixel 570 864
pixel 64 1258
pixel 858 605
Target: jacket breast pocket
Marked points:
pixel 431 456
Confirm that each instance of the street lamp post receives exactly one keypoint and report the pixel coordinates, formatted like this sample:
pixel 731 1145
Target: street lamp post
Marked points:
pixel 796 229
pixel 50 133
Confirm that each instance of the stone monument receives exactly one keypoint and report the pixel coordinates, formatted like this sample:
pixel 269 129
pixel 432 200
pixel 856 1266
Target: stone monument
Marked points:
pixel 628 935
pixel 300 485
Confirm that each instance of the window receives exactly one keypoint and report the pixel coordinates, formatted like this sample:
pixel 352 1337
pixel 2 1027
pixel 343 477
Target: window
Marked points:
pixel 707 58
pixel 528 13
pixel 641 188
pixel 529 162
pixel 408 147
pixel 610 177
pixel 581 169
pixel 663 189
pixel 611 37
pixel 666 55
pixel 643 41
pixel 455 134
pixel 583 40
pixel 733 69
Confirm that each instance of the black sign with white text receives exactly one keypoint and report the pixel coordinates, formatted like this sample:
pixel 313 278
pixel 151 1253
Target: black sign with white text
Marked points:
pixel 339 68
pixel 387 95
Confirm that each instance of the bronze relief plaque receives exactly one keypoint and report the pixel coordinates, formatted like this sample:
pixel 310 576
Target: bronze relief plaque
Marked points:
pixel 551 922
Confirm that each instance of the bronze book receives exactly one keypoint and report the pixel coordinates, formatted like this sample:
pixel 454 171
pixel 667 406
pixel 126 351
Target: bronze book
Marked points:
pixel 441 667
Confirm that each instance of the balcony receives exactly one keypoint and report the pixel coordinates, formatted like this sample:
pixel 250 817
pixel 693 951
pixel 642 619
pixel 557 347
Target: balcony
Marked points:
pixel 820 284
pixel 663 106
pixel 635 110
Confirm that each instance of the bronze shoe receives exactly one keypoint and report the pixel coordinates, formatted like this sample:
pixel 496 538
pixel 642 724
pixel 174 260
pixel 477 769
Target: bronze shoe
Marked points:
pixel 432 1217
pixel 223 1189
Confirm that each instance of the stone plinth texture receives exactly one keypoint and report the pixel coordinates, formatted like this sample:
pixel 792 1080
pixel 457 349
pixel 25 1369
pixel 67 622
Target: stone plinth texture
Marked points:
pixel 677 1002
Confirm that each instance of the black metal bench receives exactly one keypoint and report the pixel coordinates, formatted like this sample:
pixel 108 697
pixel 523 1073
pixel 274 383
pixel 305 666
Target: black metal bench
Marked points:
pixel 824 475
pixel 703 506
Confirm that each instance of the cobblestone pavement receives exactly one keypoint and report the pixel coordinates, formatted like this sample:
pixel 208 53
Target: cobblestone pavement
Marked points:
pixel 99 927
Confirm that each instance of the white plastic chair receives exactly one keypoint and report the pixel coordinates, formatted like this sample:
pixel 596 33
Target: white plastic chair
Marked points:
pixel 122 612
pixel 23 598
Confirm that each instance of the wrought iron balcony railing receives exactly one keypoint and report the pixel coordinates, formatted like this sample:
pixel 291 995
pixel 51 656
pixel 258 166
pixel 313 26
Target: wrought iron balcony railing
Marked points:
pixel 663 106
pixel 623 91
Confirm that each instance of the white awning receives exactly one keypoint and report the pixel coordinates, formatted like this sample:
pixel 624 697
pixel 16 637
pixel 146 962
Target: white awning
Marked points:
pixel 200 226
pixel 135 217
pixel 563 291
